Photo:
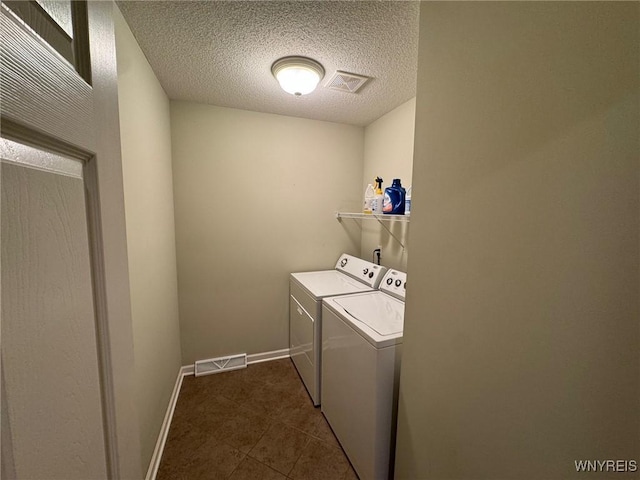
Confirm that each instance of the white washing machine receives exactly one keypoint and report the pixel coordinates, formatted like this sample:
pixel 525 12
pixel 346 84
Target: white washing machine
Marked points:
pixel 306 291
pixel 361 352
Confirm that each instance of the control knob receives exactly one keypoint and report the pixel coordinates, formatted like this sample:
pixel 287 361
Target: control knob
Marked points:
pixel 389 281
pixel 398 283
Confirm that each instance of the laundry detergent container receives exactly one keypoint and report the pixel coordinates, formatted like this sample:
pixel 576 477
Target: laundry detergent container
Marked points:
pixel 394 197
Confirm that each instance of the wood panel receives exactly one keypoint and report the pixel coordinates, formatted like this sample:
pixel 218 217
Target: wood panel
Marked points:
pixel 42 90
pixel 49 354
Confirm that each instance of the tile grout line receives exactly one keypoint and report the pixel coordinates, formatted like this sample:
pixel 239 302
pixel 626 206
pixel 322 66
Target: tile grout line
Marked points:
pixel 299 457
pixel 279 377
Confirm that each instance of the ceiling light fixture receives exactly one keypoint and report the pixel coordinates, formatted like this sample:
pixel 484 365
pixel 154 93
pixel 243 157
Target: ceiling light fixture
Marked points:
pixel 297 75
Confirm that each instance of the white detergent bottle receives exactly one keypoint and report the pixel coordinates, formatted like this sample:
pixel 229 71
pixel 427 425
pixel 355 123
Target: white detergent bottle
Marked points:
pixel 407 202
pixel 369 195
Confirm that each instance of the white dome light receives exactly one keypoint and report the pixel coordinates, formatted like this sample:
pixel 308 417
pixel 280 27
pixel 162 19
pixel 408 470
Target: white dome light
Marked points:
pixel 297 75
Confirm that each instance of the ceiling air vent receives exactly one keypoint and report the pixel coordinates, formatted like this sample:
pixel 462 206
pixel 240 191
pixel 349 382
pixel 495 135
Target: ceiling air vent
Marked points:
pixel 346 82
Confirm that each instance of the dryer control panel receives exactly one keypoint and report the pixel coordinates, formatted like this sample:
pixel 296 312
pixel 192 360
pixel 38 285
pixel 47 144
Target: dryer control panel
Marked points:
pixel 367 272
pixel 394 283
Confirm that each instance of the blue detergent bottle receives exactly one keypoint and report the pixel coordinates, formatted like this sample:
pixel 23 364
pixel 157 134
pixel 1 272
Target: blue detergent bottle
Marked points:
pixel 394 197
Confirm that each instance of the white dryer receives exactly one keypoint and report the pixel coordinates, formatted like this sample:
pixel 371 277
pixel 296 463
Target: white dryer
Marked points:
pixel 306 291
pixel 361 352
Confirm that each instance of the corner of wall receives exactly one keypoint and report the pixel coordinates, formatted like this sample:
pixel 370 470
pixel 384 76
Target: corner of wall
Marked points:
pixel 148 196
pixel 388 153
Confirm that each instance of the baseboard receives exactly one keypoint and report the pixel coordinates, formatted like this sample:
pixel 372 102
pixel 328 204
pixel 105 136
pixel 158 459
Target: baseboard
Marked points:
pixel 164 429
pixel 183 372
pixel 266 356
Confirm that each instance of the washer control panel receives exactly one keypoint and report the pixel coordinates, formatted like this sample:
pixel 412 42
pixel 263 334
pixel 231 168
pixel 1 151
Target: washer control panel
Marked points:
pixel 394 283
pixel 367 272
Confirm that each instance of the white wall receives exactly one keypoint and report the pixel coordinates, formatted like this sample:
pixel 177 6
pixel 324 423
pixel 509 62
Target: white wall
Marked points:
pixel 148 190
pixel 255 196
pixel 388 153
pixel 521 341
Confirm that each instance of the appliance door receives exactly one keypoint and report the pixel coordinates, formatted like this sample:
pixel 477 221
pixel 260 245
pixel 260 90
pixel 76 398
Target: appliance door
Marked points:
pixel 328 283
pixel 302 348
pixel 378 317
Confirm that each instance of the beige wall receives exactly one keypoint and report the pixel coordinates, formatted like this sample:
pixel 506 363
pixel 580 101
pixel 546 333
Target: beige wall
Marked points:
pixel 148 190
pixel 521 341
pixel 255 196
pixel 388 153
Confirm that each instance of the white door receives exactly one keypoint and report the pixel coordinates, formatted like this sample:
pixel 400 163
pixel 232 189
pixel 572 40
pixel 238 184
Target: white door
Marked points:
pixel 50 375
pixel 64 399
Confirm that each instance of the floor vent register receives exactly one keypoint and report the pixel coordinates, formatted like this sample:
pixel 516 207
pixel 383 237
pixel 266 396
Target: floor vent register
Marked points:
pixel 220 364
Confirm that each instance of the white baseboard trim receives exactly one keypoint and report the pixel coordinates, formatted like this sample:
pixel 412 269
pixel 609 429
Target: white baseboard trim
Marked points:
pixel 266 356
pixel 183 372
pixel 164 429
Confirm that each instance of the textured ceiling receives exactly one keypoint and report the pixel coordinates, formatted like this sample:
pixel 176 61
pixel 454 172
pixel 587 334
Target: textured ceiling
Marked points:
pixel 221 52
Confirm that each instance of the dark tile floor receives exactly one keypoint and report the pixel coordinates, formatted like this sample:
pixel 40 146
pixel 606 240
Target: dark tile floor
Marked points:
pixel 251 424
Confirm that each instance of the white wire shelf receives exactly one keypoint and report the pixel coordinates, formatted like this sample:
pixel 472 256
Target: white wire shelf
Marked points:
pixel 381 218
pixel 373 216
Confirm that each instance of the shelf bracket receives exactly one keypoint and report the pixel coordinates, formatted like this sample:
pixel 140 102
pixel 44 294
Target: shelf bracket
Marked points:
pixel 380 218
pixel 389 232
